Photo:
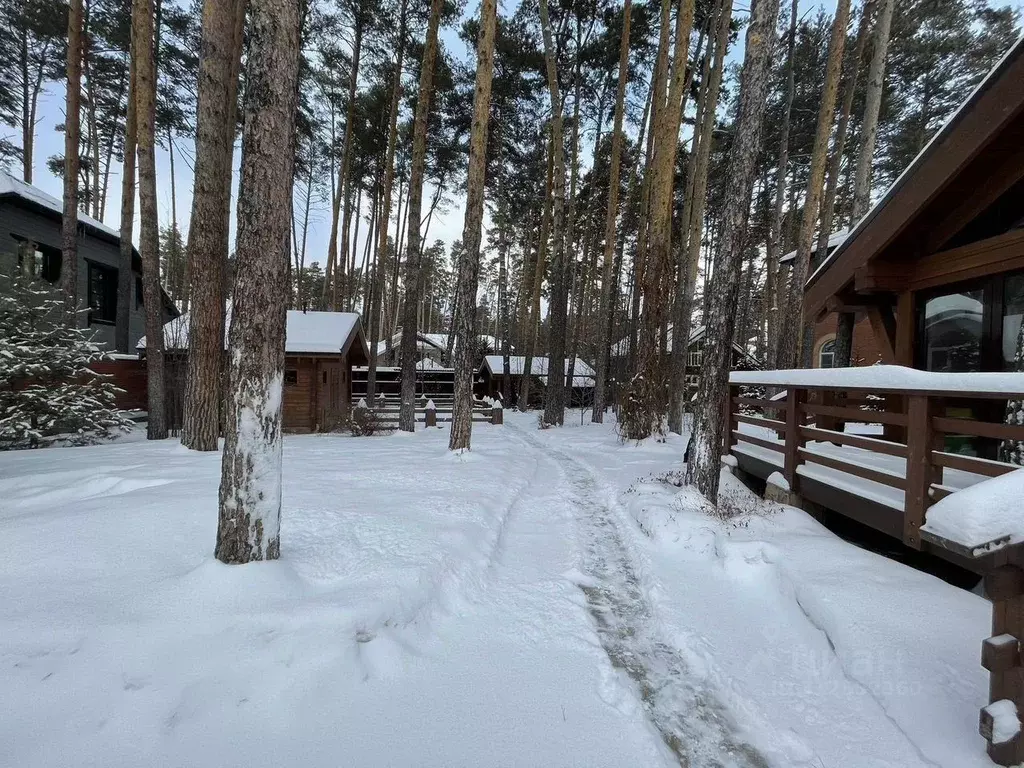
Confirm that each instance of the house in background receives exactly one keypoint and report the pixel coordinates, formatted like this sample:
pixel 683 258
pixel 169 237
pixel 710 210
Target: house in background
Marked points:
pixel 741 359
pixel 429 346
pixel 30 221
pixel 321 349
pixel 492 378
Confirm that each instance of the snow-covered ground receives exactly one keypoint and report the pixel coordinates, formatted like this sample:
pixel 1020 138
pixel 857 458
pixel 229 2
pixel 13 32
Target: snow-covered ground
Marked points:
pixel 546 600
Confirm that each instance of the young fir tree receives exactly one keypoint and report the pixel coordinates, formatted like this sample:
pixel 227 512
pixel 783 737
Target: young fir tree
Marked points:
pixel 46 386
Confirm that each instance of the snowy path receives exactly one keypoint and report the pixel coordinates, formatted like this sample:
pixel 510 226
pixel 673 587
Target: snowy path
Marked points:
pixel 531 603
pixel 691 721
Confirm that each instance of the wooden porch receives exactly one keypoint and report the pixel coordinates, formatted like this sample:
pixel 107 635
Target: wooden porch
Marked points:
pixel 880 446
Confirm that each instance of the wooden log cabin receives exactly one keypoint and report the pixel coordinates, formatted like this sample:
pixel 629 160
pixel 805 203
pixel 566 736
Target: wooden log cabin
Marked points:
pixel 937 267
pixel 321 348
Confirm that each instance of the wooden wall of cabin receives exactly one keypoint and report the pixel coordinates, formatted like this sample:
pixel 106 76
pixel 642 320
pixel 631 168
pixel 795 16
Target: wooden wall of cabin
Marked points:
pixel 298 398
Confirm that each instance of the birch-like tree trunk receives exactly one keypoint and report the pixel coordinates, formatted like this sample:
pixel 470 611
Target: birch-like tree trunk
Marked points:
pixel 872 108
pixel 604 344
pixel 149 227
pixel 250 486
pixel 125 275
pixel 704 463
pixel 414 249
pixel 469 266
pixel 773 245
pixel 221 52
pixel 692 242
pixel 791 334
pixel 384 219
pixel 554 400
pixel 72 136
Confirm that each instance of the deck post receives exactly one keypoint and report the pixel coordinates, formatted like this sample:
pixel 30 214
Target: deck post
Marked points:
pixel 729 422
pixel 795 398
pixel 1001 657
pixel 920 472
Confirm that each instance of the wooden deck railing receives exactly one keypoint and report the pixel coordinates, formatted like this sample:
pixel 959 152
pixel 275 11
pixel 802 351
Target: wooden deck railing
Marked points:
pixel 916 424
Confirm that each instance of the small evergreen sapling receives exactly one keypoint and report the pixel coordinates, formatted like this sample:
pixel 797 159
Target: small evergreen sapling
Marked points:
pixel 46 386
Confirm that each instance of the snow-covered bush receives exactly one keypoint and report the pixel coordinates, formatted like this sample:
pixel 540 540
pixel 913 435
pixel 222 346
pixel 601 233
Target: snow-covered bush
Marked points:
pixel 46 386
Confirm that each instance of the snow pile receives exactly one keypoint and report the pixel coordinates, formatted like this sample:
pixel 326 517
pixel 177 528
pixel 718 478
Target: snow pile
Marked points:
pixel 807 645
pixel 982 513
pixel 778 480
pixel 1005 722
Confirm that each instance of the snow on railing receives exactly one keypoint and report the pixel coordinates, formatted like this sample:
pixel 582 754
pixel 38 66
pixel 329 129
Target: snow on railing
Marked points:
pixel 885 378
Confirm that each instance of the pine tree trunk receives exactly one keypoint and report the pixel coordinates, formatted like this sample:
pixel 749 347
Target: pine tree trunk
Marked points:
pixel 414 249
pixel 704 463
pixel 792 325
pixel 533 328
pixel 384 219
pixel 773 245
pixel 465 349
pixel 610 219
pixel 872 108
pixel 149 228
pixel 554 400
pixel 683 313
pixel 208 227
pixel 506 360
pixel 250 486
pixel 125 274
pixel 828 204
pixel 72 136
pixel 334 273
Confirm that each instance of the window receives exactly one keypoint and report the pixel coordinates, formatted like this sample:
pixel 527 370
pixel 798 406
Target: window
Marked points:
pixel 827 354
pixel 953 331
pixel 102 293
pixel 46 259
pixel 1013 313
pixel 695 359
pixel 291 378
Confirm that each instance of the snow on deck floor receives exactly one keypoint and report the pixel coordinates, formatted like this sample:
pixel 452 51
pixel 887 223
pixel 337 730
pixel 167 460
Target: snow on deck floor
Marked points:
pixel 540 602
pixel 823 654
pixel 417 617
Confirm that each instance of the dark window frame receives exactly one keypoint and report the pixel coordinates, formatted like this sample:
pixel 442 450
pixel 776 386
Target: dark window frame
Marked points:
pixel 291 377
pixel 52 262
pixel 102 309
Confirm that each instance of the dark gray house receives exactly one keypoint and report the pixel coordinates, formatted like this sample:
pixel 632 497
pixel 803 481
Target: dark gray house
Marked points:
pixel 27 214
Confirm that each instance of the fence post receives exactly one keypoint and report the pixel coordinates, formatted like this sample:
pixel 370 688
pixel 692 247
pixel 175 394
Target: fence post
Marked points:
pixel 920 471
pixel 795 398
pixel 729 422
pixel 1000 655
pixel 497 414
pixel 430 415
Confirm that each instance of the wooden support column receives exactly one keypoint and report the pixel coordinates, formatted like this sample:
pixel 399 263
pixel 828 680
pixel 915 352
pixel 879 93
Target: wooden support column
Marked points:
pixel 921 473
pixel 794 435
pixel 906 327
pixel 1001 656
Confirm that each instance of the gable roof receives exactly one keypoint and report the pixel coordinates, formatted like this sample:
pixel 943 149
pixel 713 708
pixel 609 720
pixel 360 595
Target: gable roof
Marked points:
pixel 438 341
pixel 582 374
pixel 995 104
pixel 621 347
pixel 312 333
pixel 34 197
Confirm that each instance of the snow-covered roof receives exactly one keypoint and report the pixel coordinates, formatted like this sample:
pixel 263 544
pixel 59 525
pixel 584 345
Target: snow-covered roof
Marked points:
pixel 940 135
pixel 322 333
pixel 582 375
pixel 886 377
pixel 834 241
pixel 424 341
pixel 10 185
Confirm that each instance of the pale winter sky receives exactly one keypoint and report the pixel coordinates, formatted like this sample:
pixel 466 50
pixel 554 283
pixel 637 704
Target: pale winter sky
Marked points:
pixel 447 227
